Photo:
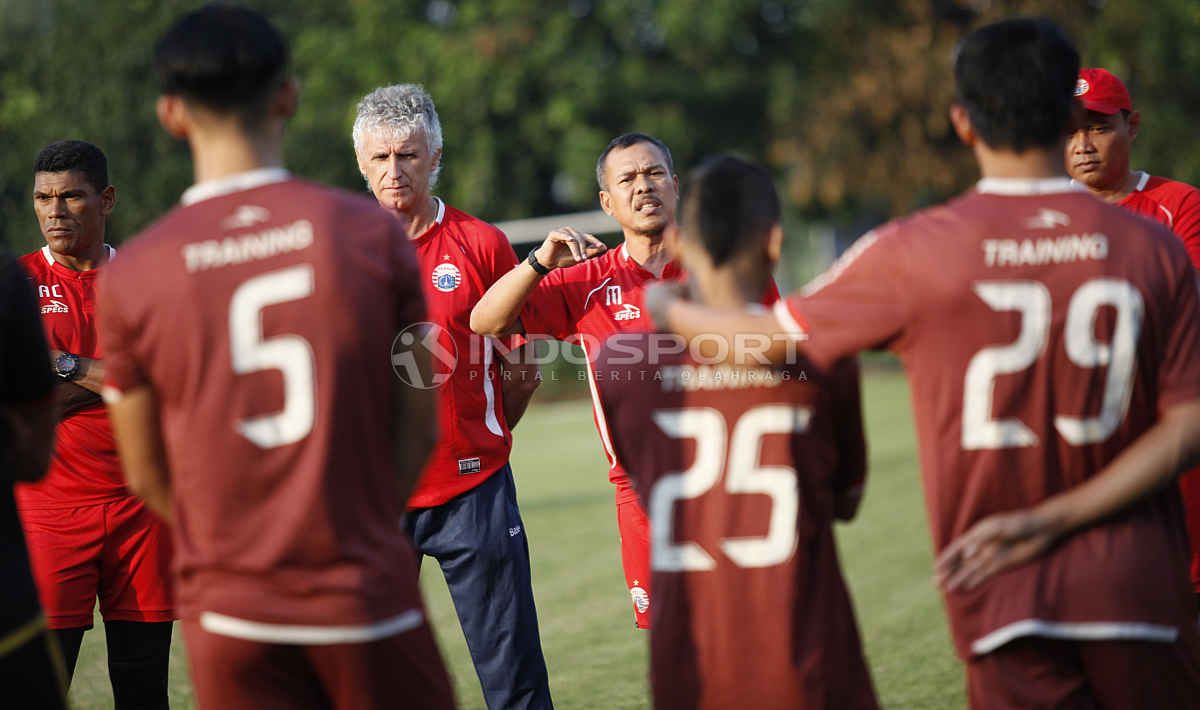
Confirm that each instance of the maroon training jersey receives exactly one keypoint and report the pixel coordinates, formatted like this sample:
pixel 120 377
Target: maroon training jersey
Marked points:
pixel 738 470
pixel 588 302
pixel 1043 331
pixel 262 314
pixel 460 257
pixel 85 469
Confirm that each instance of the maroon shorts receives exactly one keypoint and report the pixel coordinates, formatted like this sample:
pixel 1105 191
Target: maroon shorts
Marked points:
pixel 401 670
pixel 118 551
pixel 635 557
pixel 1034 672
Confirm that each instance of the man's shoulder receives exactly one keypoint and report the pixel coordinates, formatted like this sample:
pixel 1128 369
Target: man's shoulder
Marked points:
pixel 1166 190
pixel 477 231
pixel 34 261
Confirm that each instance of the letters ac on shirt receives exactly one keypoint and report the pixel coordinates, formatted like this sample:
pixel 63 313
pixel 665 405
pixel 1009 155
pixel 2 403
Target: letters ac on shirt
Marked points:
pixel 85 468
pixel 262 312
pixel 1042 331
pixel 588 302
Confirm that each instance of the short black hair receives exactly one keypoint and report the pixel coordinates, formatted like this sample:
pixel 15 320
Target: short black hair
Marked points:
pixel 226 58
pixel 624 141
pixel 80 156
pixel 730 204
pixel 1016 79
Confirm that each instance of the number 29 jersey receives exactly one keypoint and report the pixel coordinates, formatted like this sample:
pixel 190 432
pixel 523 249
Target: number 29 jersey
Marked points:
pixel 262 314
pixel 1042 331
pixel 739 471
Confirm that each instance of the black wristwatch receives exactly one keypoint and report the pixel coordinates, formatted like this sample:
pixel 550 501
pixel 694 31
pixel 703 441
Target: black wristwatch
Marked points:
pixel 532 260
pixel 66 366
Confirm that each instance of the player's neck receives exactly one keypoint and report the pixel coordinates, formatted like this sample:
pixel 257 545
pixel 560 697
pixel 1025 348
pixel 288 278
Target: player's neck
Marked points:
pixel 1118 192
pixel 221 152
pixel 647 250
pixel 726 289
pixel 420 219
pixel 92 257
pixel 1032 164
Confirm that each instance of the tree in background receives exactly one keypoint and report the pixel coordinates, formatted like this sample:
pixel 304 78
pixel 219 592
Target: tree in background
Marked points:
pixel 845 99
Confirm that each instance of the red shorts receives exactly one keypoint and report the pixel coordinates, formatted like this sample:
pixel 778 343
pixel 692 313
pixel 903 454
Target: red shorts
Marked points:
pixel 635 556
pixel 1034 672
pixel 117 551
pixel 400 671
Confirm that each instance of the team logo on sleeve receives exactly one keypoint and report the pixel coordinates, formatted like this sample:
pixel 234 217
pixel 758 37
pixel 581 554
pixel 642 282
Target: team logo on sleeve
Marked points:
pixel 446 277
pixel 1082 87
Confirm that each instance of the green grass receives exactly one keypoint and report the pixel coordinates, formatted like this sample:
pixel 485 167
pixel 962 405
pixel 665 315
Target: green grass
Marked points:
pixel 595 657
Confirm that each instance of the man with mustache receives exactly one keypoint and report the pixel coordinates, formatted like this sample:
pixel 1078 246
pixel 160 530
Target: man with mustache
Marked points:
pixel 573 288
pixel 88 536
pixel 1098 158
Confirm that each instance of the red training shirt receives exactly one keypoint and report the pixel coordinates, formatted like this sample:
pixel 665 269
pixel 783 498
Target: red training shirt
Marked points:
pixel 1043 331
pixel 738 469
pixel 1173 203
pixel 262 313
pixel 590 301
pixel 85 469
pixel 460 258
pixel 1177 205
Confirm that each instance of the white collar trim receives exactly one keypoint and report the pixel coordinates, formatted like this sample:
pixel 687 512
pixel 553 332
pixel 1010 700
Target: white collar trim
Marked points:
pixel 624 252
pixel 441 211
pixel 1145 178
pixel 234 183
pixel 1026 186
pixel 109 250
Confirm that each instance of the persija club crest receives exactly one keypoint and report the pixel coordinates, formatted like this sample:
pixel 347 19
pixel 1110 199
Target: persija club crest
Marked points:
pixel 446 277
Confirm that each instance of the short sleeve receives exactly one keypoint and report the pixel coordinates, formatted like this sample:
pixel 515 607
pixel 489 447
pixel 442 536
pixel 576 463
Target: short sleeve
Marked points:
pixel 25 373
pixel 1187 225
pixel 498 258
pixel 123 370
pixel 1179 374
pixel 408 297
pixel 846 408
pixel 546 313
pixel 856 305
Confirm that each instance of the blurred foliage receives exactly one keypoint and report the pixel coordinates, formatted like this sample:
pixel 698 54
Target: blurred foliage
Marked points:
pixel 845 99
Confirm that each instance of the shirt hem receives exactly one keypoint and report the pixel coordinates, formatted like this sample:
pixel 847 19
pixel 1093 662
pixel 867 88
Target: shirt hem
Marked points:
pixel 1075 631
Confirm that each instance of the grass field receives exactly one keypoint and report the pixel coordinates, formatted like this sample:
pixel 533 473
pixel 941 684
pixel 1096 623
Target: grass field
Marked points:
pixel 595 657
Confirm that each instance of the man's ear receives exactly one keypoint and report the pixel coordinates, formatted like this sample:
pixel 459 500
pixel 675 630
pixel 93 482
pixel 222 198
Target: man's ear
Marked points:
pixel 108 200
pixel 437 159
pixel 1134 119
pixel 961 120
pixel 286 99
pixel 606 202
pixel 173 116
pixel 775 244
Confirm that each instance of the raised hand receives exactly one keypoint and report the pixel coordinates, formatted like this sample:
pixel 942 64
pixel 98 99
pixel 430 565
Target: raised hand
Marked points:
pixel 568 246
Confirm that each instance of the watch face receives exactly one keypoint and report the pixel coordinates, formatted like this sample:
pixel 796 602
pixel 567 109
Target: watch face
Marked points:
pixel 66 364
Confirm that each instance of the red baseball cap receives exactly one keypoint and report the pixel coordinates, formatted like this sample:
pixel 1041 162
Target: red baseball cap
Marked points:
pixel 1101 91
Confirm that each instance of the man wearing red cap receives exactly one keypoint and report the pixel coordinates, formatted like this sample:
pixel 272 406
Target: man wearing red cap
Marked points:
pixel 1098 157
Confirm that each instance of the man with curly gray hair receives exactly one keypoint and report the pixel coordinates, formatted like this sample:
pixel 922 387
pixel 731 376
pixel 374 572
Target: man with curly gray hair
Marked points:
pixel 464 511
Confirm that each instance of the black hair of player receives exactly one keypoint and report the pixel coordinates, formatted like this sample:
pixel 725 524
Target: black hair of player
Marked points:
pixel 226 58
pixel 730 204
pixel 1016 79
pixel 80 156
pixel 624 141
